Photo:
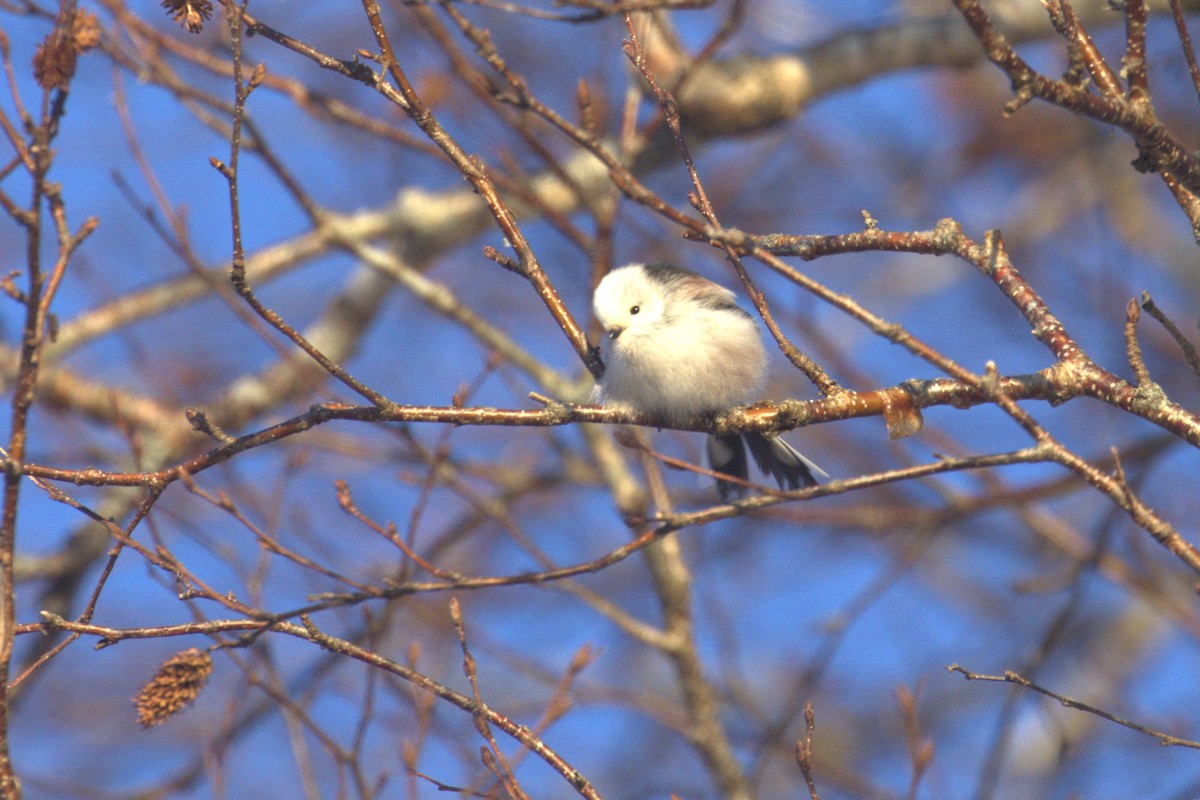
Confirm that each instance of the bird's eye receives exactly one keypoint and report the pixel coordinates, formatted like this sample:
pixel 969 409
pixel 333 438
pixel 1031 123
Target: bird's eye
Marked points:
pixel 635 309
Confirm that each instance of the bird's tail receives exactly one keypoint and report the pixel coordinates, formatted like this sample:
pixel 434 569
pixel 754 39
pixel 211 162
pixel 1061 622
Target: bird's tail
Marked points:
pixel 727 455
pixel 781 461
pixel 774 456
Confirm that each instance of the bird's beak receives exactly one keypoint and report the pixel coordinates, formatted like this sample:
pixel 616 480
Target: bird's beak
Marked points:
pixel 614 332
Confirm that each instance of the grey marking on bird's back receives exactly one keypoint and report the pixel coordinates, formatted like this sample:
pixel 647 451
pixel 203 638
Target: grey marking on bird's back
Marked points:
pixel 667 273
pixel 691 286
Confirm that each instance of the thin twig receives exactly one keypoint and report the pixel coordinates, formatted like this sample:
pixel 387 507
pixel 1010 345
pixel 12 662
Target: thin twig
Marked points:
pixel 804 751
pixel 1165 739
pixel 520 733
pixel 1185 345
pixel 237 270
pixel 1134 61
pixel 1133 350
pixel 1185 40
pixel 493 758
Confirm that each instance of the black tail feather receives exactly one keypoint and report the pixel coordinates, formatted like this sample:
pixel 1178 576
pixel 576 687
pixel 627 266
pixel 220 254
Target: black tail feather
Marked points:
pixel 727 455
pixel 781 461
pixel 774 456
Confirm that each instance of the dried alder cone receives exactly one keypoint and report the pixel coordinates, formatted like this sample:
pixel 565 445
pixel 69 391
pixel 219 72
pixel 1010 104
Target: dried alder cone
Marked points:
pixel 54 60
pixel 191 14
pixel 173 688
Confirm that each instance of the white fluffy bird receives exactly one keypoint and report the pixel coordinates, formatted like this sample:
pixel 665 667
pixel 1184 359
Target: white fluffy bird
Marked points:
pixel 681 349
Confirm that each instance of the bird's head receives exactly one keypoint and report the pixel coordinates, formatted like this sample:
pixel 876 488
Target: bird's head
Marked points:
pixel 628 302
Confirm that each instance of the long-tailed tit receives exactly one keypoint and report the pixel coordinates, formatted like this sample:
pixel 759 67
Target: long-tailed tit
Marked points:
pixel 681 349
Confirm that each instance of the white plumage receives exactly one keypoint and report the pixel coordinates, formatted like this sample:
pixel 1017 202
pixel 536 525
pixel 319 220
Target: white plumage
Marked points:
pixel 680 349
